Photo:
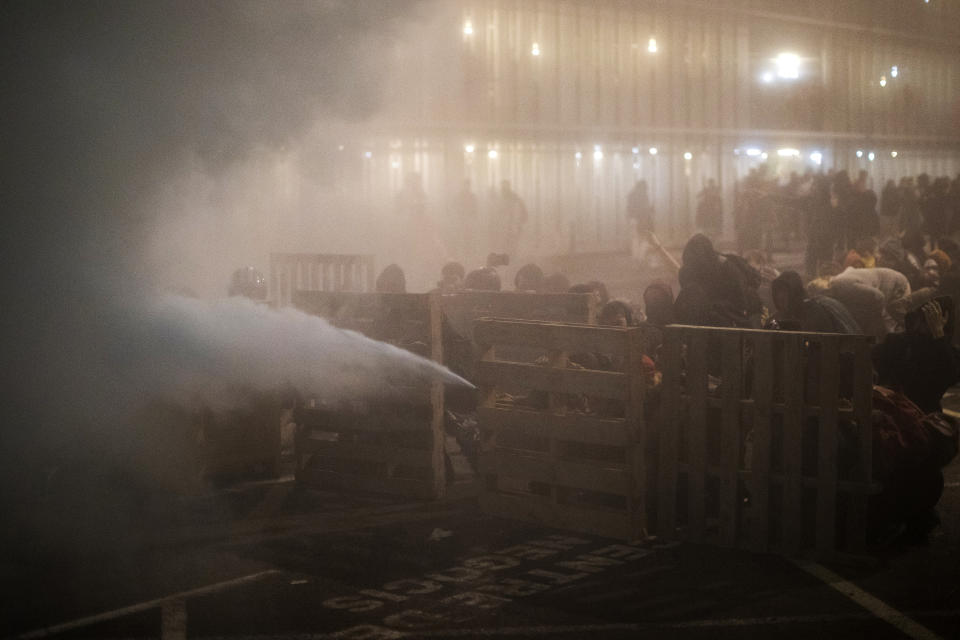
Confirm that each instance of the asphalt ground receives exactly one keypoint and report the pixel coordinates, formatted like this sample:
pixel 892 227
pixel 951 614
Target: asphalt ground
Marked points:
pixel 270 559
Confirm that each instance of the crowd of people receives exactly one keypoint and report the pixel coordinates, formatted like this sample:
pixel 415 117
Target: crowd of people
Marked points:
pixel 886 268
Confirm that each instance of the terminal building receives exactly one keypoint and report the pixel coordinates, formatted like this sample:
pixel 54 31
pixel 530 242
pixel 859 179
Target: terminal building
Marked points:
pixel 575 100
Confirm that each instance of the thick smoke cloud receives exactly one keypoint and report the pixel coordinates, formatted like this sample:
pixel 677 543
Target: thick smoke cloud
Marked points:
pixel 107 104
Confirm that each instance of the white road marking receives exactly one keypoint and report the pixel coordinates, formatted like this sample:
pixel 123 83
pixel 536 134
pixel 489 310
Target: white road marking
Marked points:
pixel 871 603
pixel 145 606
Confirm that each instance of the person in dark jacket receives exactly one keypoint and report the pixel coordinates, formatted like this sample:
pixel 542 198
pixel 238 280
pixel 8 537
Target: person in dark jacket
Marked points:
pixel 716 290
pixel 819 314
pixel 921 362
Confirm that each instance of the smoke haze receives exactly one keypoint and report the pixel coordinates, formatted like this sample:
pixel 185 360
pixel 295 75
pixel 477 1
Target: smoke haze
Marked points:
pixel 148 147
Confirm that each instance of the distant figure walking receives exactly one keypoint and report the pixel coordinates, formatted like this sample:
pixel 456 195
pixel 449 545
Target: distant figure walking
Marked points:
pixel 710 210
pixel 641 212
pixel 510 217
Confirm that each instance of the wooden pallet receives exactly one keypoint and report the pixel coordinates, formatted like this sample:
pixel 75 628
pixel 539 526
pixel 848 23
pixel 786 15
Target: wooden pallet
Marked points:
pixel 463 308
pixel 290 272
pixel 750 432
pixel 393 446
pixel 241 439
pixel 544 462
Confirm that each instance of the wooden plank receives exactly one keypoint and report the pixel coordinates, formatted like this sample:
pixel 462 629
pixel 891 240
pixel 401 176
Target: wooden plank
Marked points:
pixel 635 424
pixel 856 525
pixel 792 455
pixel 843 486
pixel 827 446
pixel 601 522
pixel 760 463
pixel 732 355
pixel 513 375
pixel 438 464
pixel 697 382
pixel 569 307
pixel 464 308
pixel 368 453
pixel 406 487
pixel 573 427
pixel 557 404
pixel 756 333
pixel 602 477
pixel 669 421
pixel 538 335
pixel 371 270
pixel 336 422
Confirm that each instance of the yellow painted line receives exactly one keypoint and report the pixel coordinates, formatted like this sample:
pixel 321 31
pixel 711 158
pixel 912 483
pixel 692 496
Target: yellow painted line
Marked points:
pixel 871 603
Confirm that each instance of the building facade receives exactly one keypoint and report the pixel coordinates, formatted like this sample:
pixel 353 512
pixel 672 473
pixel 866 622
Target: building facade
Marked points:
pixel 575 100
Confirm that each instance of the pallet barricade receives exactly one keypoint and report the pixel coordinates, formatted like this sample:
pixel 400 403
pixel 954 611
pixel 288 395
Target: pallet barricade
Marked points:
pixel 463 308
pixel 242 439
pixel 566 454
pixel 765 439
pixel 392 446
pixel 290 272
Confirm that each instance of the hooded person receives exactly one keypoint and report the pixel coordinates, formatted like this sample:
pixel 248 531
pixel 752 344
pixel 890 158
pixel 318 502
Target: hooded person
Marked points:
pixel 817 314
pixel 716 290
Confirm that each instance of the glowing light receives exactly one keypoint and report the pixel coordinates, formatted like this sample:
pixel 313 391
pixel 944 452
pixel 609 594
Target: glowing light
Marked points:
pixel 736 152
pixel 893 154
pixel 597 152
pixel 687 155
pixel 764 156
pixel 859 153
pixel 635 150
pixel 753 152
pixel 871 156
pixel 395 164
pixel 468 28
pixel 652 45
pixel 535 50
pixel 894 71
pixel 578 155
pixel 883 81
pixel 340 147
pixel 767 77
pixel 788 153
pixel 816 157
pixel 469 148
pixel 653 151
pixel 788 66
pixel 368 154
pixel 492 154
